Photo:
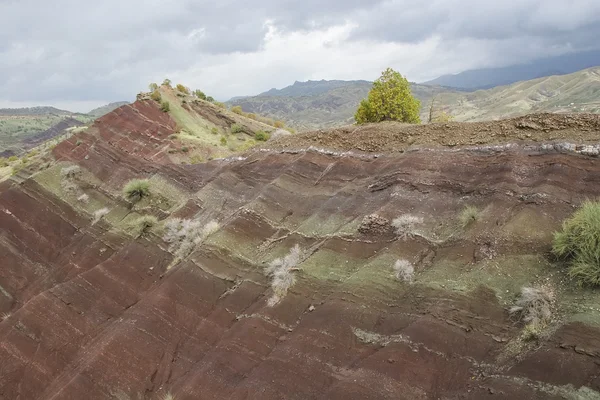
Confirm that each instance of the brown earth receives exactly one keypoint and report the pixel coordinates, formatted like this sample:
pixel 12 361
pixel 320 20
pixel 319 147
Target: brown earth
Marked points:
pixel 92 313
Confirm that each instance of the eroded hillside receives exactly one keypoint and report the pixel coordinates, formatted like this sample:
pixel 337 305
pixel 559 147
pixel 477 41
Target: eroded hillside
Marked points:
pixel 94 310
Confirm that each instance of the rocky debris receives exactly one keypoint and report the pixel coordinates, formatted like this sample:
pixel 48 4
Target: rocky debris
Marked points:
pixel 375 224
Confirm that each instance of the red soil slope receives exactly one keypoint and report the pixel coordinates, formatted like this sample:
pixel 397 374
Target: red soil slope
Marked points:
pixel 92 313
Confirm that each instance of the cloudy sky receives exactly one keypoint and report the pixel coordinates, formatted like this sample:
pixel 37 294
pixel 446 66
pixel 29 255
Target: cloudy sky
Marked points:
pixel 78 54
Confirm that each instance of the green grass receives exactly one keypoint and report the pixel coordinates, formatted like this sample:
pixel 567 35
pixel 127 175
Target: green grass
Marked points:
pixel 136 189
pixel 468 215
pixel 579 244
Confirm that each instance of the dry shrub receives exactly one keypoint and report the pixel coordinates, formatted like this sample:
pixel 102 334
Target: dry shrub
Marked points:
pixel 281 271
pixel 534 305
pixel 99 214
pixel 185 234
pixel 405 225
pixel 404 270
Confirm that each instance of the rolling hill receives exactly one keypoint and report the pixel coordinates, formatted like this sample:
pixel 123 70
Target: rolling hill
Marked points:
pixel 319 104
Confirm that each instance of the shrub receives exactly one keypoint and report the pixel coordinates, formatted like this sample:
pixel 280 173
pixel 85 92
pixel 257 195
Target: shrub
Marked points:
pixel 212 100
pixel 167 82
pixel 468 215
pixel 136 189
pixel 404 271
pixel 156 96
pixel 141 225
pixel 223 141
pixel 12 158
pixel 237 109
pixel 78 143
pixel 200 94
pixel 251 116
pixel 84 198
pixel 182 89
pixel 185 149
pixel 214 130
pixel 280 271
pixel 534 305
pixel 3 162
pixel 280 132
pixel 261 136
pixel 579 244
pixel 279 124
pixel 405 224
pixel 70 172
pixel 390 99
pixel 99 214
pixel 196 159
pixel 165 106
pixel 236 128
pixel 185 234
pixel 153 87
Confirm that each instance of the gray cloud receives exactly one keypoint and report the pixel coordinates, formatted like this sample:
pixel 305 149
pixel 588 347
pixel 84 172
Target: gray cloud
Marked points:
pixel 74 51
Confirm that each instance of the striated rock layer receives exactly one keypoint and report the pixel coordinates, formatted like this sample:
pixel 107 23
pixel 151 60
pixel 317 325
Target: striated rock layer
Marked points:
pixel 91 312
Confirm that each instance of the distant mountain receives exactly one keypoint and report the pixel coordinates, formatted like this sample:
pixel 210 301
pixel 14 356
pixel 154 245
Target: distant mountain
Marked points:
pixel 491 77
pixel 101 111
pixel 32 111
pixel 576 92
pixel 319 104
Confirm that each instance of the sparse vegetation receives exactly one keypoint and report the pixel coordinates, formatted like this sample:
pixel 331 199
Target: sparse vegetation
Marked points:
pixel 165 106
pixel 279 124
pixel 167 83
pixel 405 224
pixel 141 225
pixel 136 189
pixel 223 141
pixel 3 162
pixel 534 305
pixel 84 198
pixel 182 89
pixel 280 271
pixel 200 94
pixel 237 110
pixel 390 99
pixel 404 271
pixel 68 176
pixel 212 100
pixel 280 132
pixel 214 130
pixel 236 128
pixel 70 172
pixel 468 215
pixel 579 244
pixel 156 96
pixel 216 103
pixel 12 158
pixel 99 214
pixel 153 86
pixel 184 234
pixel 261 136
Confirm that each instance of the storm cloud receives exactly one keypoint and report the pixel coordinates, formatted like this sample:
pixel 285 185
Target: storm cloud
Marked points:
pixel 84 53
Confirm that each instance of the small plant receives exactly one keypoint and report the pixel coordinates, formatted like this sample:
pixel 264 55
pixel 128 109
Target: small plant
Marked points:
pixel 156 96
pixel 237 110
pixel 141 225
pixel 236 128
pixel 405 224
pixel 12 158
pixel 280 271
pixel 224 141
pixel 404 270
pixel 70 172
pixel 200 94
pixel 153 87
pixel 182 89
pixel 185 234
pixel 216 103
pixel 468 215
pixel 251 116
pixel 136 189
pixel 278 124
pixel 261 136
pixel 214 130
pixel 196 159
pixel 185 149
pixel 167 82
pixel 84 198
pixel 168 396
pixel 165 106
pixel 579 244
pixel 534 305
pixel 532 332
pixel 280 133
pixel 78 142
pixel 99 214
pixel 3 162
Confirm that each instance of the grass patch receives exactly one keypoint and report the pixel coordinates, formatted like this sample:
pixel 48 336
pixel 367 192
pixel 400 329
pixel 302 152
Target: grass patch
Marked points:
pixel 136 189
pixel 579 244
pixel 143 224
pixel 468 215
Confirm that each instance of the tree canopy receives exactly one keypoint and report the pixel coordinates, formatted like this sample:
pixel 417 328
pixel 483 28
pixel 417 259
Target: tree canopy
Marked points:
pixel 390 99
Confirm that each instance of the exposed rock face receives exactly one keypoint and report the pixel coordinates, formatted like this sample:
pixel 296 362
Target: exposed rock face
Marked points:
pixel 375 225
pixel 92 313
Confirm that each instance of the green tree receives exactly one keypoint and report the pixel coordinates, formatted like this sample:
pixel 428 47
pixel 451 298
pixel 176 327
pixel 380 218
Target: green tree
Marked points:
pixel 167 82
pixel 153 86
pixel 210 98
pixel 200 94
pixel 182 89
pixel 237 109
pixel 390 99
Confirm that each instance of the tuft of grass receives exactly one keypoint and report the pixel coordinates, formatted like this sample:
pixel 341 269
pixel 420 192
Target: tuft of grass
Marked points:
pixel 84 198
pixel 404 270
pixel 579 244
pixel 141 225
pixel 223 141
pixel 405 225
pixel 136 189
pixel 468 215
pixel 532 332
pixel 237 110
pixel 214 130
pixel 165 106
pixel 156 96
pixel 261 136
pixel 280 271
